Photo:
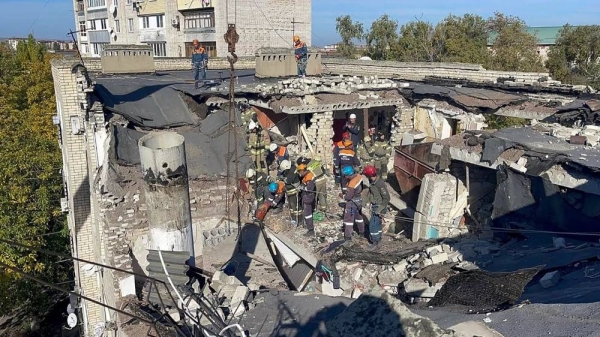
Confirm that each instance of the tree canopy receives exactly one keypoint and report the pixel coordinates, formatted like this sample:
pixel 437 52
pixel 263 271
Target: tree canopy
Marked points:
pixel 454 39
pixel 30 178
pixel 575 58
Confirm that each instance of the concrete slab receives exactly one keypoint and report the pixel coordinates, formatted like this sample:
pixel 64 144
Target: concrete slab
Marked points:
pixel 474 328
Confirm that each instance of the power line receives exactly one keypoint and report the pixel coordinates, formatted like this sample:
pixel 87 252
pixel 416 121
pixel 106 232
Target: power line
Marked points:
pixel 269 22
pixel 39 14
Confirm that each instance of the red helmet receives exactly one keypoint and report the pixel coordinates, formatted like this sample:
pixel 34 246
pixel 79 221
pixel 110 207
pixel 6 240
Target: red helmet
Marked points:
pixel 370 171
pixel 346 135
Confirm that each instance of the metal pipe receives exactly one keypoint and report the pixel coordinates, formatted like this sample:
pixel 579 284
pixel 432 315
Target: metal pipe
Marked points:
pixel 162 155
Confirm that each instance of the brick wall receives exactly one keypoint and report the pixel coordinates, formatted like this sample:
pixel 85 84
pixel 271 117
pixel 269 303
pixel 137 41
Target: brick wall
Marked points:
pixel 417 71
pixel 70 98
pixel 93 64
pixel 321 132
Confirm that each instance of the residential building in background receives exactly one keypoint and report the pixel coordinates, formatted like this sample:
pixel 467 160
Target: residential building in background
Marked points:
pixel 170 26
pixel 546 37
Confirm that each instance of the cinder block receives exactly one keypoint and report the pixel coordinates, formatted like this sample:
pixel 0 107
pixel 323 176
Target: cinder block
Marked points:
pixel 550 279
pixel 431 251
pixel 439 258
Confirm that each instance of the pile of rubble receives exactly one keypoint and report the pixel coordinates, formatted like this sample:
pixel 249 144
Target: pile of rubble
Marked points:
pixel 337 85
pixel 418 277
pixel 588 134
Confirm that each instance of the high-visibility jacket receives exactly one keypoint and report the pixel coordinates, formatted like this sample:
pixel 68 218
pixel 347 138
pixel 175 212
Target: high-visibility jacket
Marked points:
pixel 382 149
pixel 347 157
pixel 259 141
pixel 282 154
pixel 354 188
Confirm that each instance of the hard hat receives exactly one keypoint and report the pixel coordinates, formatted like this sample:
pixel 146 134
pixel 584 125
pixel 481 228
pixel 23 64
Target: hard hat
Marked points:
pixel 348 170
pixel 272 147
pixel 352 116
pixel 380 134
pixel 347 142
pixel 301 160
pixel 296 38
pixel 285 165
pixel 250 173
pixel 195 42
pixel 273 187
pixel 370 171
pixel 251 125
pixel 346 135
pixel 302 167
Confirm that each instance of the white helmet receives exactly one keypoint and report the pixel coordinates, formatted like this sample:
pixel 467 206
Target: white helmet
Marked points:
pixel 285 165
pixel 250 173
pixel 251 125
pixel 272 147
pixel 352 116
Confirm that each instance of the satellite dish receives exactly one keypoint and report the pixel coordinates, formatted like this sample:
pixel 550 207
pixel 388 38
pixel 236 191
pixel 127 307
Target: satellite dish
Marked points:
pixel 72 320
pixel 113 9
pixel 70 309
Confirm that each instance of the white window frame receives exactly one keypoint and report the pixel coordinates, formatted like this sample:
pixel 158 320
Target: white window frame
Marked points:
pixel 103 24
pixel 199 20
pixel 117 26
pixel 97 48
pixel 145 22
pixel 130 25
pixel 159 49
pixel 96 3
pixel 160 21
pixel 116 3
pixel 82 28
pixel 91 24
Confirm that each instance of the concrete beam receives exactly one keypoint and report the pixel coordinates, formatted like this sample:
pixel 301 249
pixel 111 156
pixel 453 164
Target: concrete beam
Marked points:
pixel 341 106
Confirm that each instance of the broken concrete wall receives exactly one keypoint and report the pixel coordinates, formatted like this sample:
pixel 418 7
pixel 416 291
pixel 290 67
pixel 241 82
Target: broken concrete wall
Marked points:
pixel 280 62
pixel 320 134
pixel 440 209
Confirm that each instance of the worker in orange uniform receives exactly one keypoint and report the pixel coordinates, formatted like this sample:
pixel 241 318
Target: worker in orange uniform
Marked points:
pixel 280 153
pixel 346 157
pixel 337 147
pixel 275 196
pixel 301 52
pixel 308 191
pixel 199 62
pixel 353 208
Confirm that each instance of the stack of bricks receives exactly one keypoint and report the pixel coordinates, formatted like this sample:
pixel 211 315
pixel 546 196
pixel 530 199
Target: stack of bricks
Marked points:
pixel 320 135
pixel 403 121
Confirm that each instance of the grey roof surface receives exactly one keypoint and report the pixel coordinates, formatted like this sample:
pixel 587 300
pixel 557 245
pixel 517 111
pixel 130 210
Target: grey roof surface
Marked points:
pixel 155 100
pixel 536 141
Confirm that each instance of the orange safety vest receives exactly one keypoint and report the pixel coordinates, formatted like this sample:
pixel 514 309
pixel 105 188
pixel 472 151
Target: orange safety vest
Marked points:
pixel 282 151
pixel 308 177
pixel 280 187
pixel 347 152
pixel 355 182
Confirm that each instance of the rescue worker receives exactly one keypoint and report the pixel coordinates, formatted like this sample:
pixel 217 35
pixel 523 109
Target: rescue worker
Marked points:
pixel 247 116
pixel 346 157
pixel 379 198
pixel 308 190
pixel 301 52
pixel 290 178
pixel 280 154
pixel 258 181
pixel 258 143
pixel 199 62
pixel 337 147
pixel 318 171
pixel 353 208
pixel 365 151
pixel 275 196
pixel 302 160
pixel 381 155
pixel 352 127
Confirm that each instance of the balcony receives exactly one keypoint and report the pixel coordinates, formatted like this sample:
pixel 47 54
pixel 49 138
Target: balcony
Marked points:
pixel 80 8
pixel 186 5
pixel 152 35
pixel 98 36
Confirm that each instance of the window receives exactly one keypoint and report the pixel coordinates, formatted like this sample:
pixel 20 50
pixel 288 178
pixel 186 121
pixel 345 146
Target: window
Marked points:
pixel 117 26
pixel 160 49
pixel 92 25
pixel 82 28
pixel 96 3
pixel 97 48
pixel 211 48
pixel 145 22
pixel 129 2
pixel 200 20
pixel 116 3
pixel 160 21
pixel 102 23
pixel 83 48
pixel 130 25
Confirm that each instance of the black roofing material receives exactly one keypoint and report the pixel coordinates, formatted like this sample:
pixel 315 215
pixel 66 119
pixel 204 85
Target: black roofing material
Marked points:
pixel 533 202
pixel 493 148
pixel 205 148
pixel 482 291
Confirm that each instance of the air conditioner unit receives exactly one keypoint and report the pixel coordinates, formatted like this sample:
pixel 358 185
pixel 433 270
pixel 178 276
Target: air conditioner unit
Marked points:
pixel 174 22
pixel 64 204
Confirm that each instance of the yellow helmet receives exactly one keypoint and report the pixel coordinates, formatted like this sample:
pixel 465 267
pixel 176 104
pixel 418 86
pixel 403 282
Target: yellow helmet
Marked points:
pixel 296 38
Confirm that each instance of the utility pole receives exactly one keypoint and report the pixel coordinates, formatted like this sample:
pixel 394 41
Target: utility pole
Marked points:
pixel 294 22
pixel 72 34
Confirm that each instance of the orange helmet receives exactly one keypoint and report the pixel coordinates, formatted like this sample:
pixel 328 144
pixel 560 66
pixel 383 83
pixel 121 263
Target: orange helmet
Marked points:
pixel 296 38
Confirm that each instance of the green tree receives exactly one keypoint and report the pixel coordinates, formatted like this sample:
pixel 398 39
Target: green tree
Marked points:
pixel 348 31
pixel 382 39
pixel 417 43
pixel 575 56
pixel 30 179
pixel 513 48
pixel 462 39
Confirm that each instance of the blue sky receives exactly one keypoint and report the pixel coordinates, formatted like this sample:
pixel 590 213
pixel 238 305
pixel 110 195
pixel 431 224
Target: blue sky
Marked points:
pixel 55 17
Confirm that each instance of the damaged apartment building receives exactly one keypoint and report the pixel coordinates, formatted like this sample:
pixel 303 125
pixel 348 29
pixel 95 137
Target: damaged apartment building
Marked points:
pixel 450 170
